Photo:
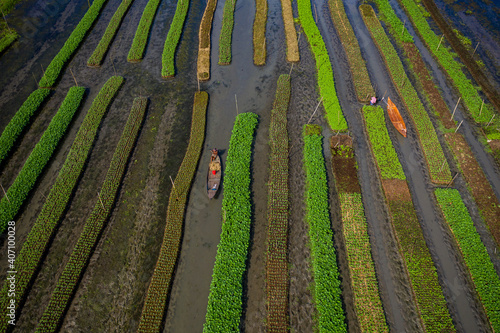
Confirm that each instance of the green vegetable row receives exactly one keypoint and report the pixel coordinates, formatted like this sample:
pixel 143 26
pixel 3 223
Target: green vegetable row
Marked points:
pixel 8 38
pixel 102 48
pixel 156 297
pixel 55 67
pixel 136 51
pixel 326 84
pixel 277 212
pixel 385 154
pixel 362 83
pixel 436 161
pixel 226 289
pixel 173 36
pixel 413 248
pixel 259 33
pixel 39 157
pixel 20 120
pixel 367 303
pixel 476 257
pixel 75 267
pixel 446 59
pixel 327 292
pixel 387 14
pixel 40 235
pixel 226 33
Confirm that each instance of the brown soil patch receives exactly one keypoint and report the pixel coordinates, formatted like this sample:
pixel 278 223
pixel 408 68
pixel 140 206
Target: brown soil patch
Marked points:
pixel 292 44
pixel 344 164
pixel 259 33
pixel 428 85
pixel 396 190
pixel 464 54
pixel 480 188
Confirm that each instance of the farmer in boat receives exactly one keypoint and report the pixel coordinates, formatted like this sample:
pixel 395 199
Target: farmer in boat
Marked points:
pixel 373 101
pixel 214 153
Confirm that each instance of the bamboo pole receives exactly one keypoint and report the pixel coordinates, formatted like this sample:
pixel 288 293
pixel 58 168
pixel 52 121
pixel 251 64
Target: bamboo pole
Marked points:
pixel 475 48
pixel 6 21
pixel 456 129
pixel 74 78
pixel 291 70
pixel 491 120
pixel 99 195
pixel 5 193
pixel 440 42
pixel 452 180
pixel 321 100
pixel 236 100
pixel 481 110
pixel 442 165
pixel 316 11
pixel 173 185
pixel 403 30
pixel 455 108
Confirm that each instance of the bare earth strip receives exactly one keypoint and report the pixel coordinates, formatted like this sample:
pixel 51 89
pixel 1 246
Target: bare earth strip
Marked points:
pixel 204 41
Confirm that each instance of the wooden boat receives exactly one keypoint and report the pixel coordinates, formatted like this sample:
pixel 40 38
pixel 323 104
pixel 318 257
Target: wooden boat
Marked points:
pixel 214 175
pixel 396 118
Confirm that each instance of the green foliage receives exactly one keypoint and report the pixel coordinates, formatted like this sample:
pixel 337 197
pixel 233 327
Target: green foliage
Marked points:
pixel 74 269
pixel 136 51
pixel 174 34
pixel 226 33
pixel 431 148
pixel 326 84
pixel 311 129
pixel 20 120
pixel 7 37
pixel 388 15
pixel 367 301
pixel 39 157
pixel 385 155
pixel 277 208
pixel 226 289
pixel 482 271
pixel 72 43
pixel 446 59
pixel 100 51
pixel 156 297
pixel 259 32
pixel 327 292
pixel 362 83
pixel 41 233
pixel 420 267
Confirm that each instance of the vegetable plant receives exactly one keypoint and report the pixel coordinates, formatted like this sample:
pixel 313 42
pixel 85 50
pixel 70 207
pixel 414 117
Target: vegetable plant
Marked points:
pixel 173 36
pixel 226 34
pixel 226 289
pixel 136 51
pixel 79 258
pixel 156 297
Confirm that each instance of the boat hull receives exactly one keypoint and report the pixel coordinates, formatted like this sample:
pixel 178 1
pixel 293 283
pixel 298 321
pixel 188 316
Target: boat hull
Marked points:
pixel 396 118
pixel 213 181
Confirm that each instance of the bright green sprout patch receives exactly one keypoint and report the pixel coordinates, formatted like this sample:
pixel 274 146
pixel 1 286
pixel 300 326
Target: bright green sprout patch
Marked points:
pixel 482 271
pixel 174 34
pixel 79 258
pixel 226 34
pixel 20 120
pixel 327 292
pixel 39 157
pixel 142 33
pixel 100 51
pixel 326 83
pixel 226 290
pixel 40 235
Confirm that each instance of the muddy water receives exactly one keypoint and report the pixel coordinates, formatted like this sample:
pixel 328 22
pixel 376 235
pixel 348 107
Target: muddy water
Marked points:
pixel 254 89
pixel 471 133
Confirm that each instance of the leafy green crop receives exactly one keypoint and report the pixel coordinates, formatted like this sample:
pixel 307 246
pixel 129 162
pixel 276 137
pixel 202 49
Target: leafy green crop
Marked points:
pixel 361 79
pixel 226 34
pixel 142 33
pixel 156 297
pixel 20 120
pixel 174 34
pixel 446 59
pixel 8 38
pixel 226 290
pixel 482 271
pixel 100 51
pixel 327 292
pixel 74 269
pixel 277 208
pixel 39 157
pixel 43 230
pixel 385 155
pixel 326 84
pixel 74 40
pixel 439 169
